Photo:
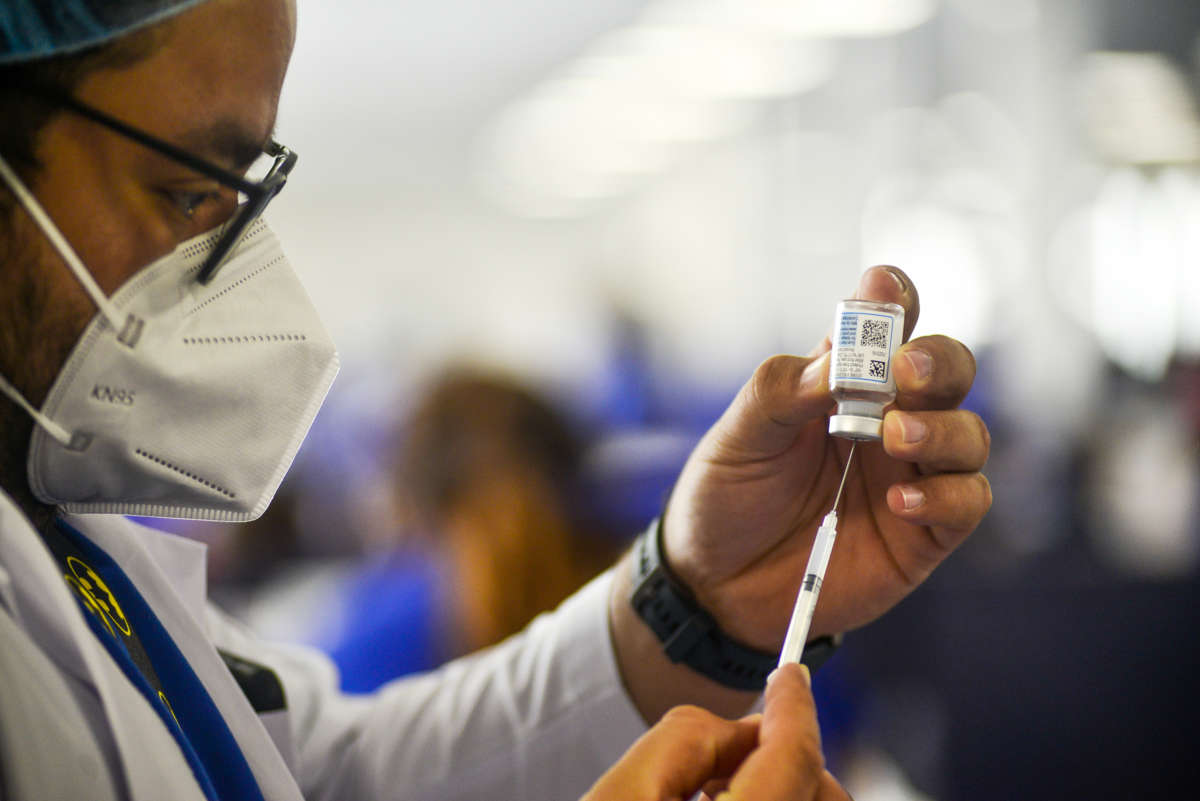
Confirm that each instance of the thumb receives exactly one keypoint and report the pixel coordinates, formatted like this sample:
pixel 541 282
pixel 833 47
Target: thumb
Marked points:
pixel 789 393
pixel 890 284
pixel 785 395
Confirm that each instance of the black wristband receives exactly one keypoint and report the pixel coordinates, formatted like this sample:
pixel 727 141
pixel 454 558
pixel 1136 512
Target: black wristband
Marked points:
pixel 690 635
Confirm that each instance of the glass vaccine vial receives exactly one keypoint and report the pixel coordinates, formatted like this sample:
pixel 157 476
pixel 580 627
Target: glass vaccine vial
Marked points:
pixel 866 335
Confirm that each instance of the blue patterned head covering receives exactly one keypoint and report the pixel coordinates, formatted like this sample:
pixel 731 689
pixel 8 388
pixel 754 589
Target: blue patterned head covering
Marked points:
pixel 32 29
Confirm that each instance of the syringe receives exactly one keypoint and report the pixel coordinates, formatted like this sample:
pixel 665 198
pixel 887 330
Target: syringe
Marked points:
pixel 814 574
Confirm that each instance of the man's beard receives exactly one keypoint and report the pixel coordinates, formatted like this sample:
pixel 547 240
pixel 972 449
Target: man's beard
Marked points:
pixel 36 336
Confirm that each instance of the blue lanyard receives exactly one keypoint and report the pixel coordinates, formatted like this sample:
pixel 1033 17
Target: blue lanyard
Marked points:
pixel 172 688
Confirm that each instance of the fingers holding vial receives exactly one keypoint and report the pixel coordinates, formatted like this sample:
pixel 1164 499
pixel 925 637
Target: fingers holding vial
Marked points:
pixel 949 504
pixel 933 372
pixel 955 441
pixel 920 384
pixel 949 446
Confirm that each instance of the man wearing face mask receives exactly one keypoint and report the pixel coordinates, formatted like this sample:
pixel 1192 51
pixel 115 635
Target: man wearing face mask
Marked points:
pixel 159 357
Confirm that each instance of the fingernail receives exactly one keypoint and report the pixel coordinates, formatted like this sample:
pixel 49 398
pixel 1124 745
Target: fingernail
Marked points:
pixel 899 282
pixel 912 497
pixel 868 279
pixel 912 429
pixel 921 362
pixel 803 669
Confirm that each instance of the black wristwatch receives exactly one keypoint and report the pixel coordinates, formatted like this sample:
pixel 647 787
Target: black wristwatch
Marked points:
pixel 690 635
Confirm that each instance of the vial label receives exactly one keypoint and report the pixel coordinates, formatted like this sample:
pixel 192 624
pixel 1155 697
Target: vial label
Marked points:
pixel 863 351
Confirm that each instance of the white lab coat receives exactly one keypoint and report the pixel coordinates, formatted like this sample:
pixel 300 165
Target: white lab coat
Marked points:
pixel 537 717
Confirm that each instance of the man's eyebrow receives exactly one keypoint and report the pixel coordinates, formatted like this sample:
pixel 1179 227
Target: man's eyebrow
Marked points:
pixel 230 143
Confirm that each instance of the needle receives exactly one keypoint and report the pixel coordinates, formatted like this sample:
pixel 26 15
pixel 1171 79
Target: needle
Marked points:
pixel 814 573
pixel 845 472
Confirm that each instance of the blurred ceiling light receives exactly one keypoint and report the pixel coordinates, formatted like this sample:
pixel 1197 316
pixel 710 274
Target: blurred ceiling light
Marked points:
pixel 1123 267
pixel 709 62
pixel 630 106
pixel 1008 16
pixel 639 98
pixel 799 18
pixel 1136 271
pixel 1182 188
pixel 1141 496
pixel 584 137
pixel 1138 109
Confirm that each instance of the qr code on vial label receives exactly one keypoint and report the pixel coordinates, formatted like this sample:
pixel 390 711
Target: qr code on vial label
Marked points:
pixel 874 333
pixel 876 369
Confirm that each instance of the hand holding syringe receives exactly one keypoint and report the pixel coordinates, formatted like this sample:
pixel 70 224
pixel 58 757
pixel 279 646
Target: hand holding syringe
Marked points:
pixel 865 338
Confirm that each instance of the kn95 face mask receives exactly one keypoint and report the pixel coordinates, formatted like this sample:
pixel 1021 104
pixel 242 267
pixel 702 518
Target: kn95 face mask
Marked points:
pixel 197 406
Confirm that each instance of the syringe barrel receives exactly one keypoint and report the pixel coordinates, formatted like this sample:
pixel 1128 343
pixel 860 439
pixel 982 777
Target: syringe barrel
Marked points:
pixel 810 590
pixel 797 634
pixel 818 560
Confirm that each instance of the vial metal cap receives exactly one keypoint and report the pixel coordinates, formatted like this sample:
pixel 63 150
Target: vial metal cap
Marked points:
pixel 855 426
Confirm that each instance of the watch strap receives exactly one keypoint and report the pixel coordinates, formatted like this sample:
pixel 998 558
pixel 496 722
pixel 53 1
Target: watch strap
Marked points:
pixel 690 635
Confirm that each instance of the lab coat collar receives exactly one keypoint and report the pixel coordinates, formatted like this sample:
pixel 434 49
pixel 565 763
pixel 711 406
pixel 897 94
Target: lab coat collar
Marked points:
pixel 40 603
pixel 36 596
pixel 169 573
pixel 140 549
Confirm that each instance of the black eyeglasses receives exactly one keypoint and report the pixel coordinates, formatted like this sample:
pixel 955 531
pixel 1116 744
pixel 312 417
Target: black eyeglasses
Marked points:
pixel 257 193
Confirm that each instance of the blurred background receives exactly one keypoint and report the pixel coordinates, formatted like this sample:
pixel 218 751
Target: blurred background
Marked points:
pixel 553 239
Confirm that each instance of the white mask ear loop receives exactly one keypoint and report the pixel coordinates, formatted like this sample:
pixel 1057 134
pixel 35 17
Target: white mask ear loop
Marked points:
pixel 110 312
pixel 52 428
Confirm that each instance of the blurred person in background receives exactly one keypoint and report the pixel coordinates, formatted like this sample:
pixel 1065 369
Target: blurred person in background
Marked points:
pixel 160 358
pixel 491 533
pixel 492 472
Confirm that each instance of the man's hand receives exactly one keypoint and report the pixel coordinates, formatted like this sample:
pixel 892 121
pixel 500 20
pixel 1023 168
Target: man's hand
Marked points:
pixel 775 756
pixel 741 520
